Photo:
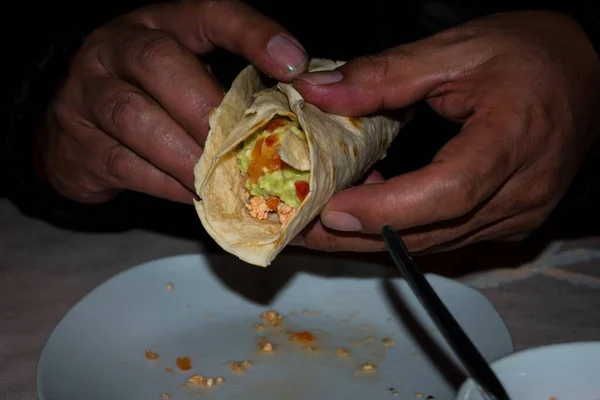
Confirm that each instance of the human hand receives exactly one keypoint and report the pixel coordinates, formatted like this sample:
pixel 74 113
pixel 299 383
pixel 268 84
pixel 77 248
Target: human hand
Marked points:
pixel 133 111
pixel 526 88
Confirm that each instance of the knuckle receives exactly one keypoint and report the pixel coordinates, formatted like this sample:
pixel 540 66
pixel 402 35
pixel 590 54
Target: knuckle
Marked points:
pixel 330 243
pixel 116 162
pixel 123 107
pixel 461 194
pixel 376 67
pixel 322 240
pixel 152 51
pixel 64 109
pixel 467 192
pixel 61 111
pixel 62 115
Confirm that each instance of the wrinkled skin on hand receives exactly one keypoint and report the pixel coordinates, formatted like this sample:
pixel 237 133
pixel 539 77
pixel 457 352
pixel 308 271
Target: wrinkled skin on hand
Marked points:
pixel 132 113
pixel 526 88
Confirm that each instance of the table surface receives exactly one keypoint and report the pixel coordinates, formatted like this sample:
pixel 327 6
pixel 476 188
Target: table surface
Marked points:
pixel 44 271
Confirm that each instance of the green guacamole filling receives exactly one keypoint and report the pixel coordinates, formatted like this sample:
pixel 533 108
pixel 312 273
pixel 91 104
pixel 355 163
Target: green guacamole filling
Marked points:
pixel 281 182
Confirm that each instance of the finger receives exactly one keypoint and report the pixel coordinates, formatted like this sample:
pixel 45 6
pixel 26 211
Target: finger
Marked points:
pixel 392 79
pixel 235 26
pixel 513 228
pixel 318 237
pixel 135 120
pixel 454 184
pixel 513 210
pixel 168 72
pixel 425 240
pixel 372 177
pixel 126 170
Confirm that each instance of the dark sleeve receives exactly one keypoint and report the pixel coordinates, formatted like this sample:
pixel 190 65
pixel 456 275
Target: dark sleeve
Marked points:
pixel 40 54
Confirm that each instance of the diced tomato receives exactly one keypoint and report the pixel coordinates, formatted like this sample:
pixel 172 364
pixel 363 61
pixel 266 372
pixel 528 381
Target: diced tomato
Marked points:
pixel 271 140
pixel 302 189
pixel 274 124
pixel 272 203
pixel 270 147
pixel 262 159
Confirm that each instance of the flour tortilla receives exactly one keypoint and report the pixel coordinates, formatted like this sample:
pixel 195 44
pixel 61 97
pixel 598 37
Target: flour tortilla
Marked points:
pixel 340 151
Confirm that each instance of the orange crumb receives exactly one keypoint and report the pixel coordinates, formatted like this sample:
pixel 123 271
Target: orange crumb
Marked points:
pixel 184 363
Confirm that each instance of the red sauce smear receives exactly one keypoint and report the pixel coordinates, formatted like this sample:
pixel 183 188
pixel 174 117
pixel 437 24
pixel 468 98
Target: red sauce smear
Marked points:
pixel 302 189
pixel 265 154
pixel 274 124
pixel 184 363
pixel 304 337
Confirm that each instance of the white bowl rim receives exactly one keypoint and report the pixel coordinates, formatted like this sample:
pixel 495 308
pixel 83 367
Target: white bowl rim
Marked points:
pixel 518 355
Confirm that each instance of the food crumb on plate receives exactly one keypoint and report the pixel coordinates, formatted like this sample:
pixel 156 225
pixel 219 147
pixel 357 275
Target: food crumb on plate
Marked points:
pixel 342 352
pixel 239 366
pixel 272 318
pixel 169 370
pixel 259 327
pixel 386 341
pixel 202 381
pixel 170 286
pixel 368 367
pixel 303 337
pixel 184 363
pixel 165 396
pixel 150 355
pixel 264 346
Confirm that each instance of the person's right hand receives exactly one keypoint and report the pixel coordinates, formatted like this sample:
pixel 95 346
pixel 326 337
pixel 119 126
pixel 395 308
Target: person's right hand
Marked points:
pixel 132 113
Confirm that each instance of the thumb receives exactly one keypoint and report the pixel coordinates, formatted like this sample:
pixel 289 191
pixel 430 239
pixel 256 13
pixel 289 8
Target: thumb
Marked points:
pixel 202 25
pixel 452 185
pixel 392 79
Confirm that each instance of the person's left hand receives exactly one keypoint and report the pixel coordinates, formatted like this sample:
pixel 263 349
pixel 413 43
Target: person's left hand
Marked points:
pixel 525 86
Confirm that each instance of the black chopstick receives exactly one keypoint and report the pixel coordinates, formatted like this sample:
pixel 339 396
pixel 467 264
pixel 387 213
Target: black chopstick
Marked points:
pixel 476 366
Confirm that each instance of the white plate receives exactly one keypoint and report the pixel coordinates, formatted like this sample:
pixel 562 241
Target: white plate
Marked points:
pixel 97 352
pixel 565 371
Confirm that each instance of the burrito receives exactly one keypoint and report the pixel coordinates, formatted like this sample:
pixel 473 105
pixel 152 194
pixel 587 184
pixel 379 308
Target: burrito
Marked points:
pixel 272 161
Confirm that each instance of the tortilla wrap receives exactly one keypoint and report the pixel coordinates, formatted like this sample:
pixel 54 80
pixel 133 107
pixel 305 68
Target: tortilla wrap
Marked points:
pixel 337 150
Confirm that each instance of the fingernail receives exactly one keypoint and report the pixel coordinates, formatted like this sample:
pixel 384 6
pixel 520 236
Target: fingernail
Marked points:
pixel 322 77
pixel 297 241
pixel 341 221
pixel 286 53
